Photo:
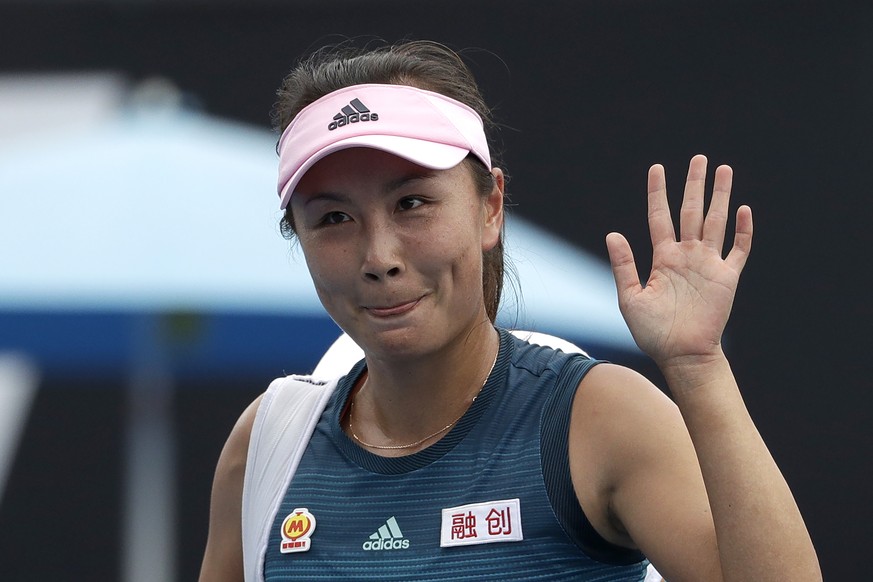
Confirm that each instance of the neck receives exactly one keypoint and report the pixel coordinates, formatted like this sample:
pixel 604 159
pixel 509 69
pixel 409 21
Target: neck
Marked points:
pixel 399 403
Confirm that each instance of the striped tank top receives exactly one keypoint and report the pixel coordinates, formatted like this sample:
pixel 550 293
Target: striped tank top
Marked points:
pixel 492 500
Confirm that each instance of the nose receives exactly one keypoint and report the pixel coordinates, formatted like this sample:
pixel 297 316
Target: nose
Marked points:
pixel 382 254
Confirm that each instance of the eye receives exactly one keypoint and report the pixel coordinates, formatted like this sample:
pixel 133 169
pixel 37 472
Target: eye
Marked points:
pixel 409 203
pixel 335 218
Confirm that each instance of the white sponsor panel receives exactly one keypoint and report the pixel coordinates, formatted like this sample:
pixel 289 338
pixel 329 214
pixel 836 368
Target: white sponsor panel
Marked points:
pixel 481 523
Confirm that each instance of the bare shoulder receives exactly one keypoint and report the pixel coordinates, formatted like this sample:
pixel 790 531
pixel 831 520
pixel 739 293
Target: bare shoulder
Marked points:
pixel 616 411
pixel 636 473
pixel 223 560
pixel 613 388
pixel 232 461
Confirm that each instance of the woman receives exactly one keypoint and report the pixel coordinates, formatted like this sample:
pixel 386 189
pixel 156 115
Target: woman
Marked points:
pixel 455 450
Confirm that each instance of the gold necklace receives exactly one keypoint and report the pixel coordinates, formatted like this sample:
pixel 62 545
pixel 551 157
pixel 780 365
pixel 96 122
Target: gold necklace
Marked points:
pixel 428 437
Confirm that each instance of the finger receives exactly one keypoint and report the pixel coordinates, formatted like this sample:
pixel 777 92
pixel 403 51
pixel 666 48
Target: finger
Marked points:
pixel 739 253
pixel 716 217
pixel 660 221
pixel 624 268
pixel 691 214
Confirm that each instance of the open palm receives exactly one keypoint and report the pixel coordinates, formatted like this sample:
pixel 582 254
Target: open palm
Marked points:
pixel 684 306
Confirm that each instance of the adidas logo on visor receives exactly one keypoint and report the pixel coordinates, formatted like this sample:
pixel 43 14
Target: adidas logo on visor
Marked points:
pixel 387 537
pixel 354 112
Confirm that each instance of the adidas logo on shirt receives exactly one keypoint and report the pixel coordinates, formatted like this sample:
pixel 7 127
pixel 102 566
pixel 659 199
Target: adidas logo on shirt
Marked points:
pixel 387 537
pixel 354 112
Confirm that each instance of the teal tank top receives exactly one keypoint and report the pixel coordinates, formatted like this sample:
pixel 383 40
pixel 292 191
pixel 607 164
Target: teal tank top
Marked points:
pixel 492 500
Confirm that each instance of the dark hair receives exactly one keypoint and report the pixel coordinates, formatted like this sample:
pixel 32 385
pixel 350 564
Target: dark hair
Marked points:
pixel 422 64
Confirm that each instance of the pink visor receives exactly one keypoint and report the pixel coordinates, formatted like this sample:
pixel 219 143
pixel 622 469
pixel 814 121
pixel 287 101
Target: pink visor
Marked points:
pixel 426 128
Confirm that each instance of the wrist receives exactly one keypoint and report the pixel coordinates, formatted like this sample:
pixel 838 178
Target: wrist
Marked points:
pixel 690 374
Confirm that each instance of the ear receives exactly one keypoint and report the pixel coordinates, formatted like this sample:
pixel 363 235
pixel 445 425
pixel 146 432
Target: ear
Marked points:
pixel 493 207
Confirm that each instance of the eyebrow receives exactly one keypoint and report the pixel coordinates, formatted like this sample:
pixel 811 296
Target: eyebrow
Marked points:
pixel 404 180
pixel 391 186
pixel 325 196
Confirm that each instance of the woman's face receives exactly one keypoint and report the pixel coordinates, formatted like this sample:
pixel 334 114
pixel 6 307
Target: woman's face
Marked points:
pixel 395 249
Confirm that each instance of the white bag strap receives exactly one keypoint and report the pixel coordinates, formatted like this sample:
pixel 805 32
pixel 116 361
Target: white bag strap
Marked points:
pixel 283 425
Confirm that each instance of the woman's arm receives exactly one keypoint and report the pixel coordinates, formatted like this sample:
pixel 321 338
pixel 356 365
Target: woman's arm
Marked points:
pixel 702 464
pixel 223 558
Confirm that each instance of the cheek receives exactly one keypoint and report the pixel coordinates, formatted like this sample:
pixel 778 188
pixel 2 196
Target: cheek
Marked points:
pixel 453 249
pixel 328 267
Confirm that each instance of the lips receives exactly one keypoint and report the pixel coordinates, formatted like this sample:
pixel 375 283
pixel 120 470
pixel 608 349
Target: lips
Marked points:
pixel 393 310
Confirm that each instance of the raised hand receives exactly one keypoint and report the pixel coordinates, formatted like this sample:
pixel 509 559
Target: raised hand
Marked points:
pixel 682 310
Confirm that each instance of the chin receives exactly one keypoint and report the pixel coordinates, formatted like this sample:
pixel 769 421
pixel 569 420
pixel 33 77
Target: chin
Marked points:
pixel 392 343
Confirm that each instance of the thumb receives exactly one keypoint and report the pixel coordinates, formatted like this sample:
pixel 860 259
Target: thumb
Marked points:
pixel 624 268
